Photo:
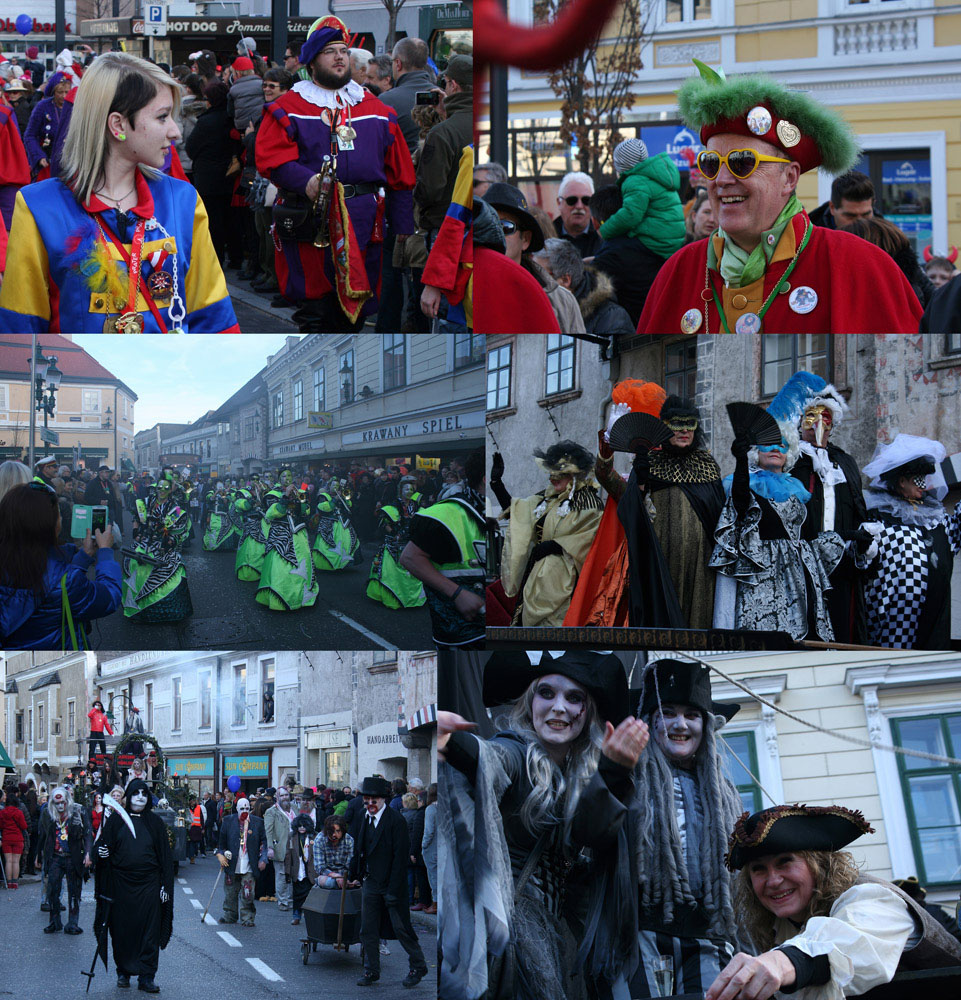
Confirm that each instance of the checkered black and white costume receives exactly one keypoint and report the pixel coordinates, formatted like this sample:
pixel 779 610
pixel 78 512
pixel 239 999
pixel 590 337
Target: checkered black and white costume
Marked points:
pixel 908 595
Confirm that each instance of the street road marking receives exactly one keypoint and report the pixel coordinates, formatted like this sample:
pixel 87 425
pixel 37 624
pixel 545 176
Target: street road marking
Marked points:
pixel 182 881
pixel 189 892
pixel 373 636
pixel 208 919
pixel 265 970
pixel 196 904
pixel 230 939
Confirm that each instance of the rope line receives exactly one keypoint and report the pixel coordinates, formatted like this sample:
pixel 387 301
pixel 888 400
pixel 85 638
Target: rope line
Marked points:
pixel 753 776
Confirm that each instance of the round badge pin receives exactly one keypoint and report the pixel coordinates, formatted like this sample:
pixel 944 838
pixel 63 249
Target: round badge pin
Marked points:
pixel 748 323
pixel 691 321
pixel 759 120
pixel 803 299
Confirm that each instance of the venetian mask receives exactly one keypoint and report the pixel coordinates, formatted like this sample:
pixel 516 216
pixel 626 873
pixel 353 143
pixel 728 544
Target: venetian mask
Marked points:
pixel 821 419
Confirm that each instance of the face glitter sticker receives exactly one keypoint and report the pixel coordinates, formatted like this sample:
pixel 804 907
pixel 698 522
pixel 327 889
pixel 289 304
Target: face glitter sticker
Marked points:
pixel 790 135
pixel 759 120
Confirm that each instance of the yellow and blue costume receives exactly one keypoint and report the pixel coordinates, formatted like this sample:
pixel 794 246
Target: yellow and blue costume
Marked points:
pixel 64 276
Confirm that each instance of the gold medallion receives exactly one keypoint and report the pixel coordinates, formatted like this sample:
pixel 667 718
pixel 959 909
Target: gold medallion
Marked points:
pixel 346 133
pixel 129 322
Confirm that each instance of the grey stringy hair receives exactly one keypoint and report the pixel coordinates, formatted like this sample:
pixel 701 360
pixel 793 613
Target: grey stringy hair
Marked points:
pixel 661 864
pixel 68 796
pixel 555 791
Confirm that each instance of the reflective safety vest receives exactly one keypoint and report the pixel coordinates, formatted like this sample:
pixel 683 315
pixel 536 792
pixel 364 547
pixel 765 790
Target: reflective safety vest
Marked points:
pixel 196 816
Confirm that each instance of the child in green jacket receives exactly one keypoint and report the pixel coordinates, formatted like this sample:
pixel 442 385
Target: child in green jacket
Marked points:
pixel 652 210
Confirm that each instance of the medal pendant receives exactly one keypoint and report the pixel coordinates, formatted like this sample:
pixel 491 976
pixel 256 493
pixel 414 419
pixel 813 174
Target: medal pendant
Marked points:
pixel 129 322
pixel 161 286
pixel 691 321
pixel 748 323
pixel 346 132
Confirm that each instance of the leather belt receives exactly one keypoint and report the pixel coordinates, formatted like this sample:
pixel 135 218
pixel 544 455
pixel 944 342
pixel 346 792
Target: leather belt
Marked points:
pixel 352 190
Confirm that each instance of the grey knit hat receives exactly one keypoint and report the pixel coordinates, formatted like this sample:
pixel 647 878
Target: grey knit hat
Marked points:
pixel 628 154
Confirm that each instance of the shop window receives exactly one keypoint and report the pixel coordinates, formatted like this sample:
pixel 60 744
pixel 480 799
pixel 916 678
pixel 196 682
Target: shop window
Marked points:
pixel 499 378
pixel 680 368
pixel 741 745
pixel 783 354
pixel 336 768
pixel 932 794
pixel 560 362
pixel 395 360
pixel 240 693
pixel 267 691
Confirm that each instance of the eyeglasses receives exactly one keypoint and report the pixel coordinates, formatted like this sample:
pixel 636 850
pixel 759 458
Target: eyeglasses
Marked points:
pixel 573 199
pixel 509 227
pixel 741 162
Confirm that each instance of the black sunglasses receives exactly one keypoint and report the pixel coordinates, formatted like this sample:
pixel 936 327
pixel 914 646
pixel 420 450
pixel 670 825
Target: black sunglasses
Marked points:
pixel 573 199
pixel 509 227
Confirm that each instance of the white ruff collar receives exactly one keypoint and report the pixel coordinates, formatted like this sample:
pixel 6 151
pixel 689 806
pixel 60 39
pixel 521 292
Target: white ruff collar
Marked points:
pixel 829 473
pixel 350 94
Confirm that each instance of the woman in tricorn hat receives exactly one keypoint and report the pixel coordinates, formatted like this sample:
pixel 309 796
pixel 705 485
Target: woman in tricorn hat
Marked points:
pixel 823 930
pixel 519 812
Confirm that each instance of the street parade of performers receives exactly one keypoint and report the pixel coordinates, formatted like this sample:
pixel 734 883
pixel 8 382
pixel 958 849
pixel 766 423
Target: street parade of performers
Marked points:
pixel 140 186
pixel 598 848
pixel 798 541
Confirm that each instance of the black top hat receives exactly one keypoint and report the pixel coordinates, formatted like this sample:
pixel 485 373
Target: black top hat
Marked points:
pixel 378 787
pixel 511 199
pixel 682 682
pixel 508 675
pixel 788 828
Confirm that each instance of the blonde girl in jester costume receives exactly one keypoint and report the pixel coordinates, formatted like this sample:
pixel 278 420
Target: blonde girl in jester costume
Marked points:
pixel 113 245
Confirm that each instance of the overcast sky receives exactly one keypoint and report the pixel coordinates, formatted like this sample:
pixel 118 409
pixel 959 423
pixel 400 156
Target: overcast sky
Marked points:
pixel 179 378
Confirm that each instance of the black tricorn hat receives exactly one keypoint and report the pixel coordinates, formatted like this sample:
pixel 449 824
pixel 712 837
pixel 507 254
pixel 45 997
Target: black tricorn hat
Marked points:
pixel 507 676
pixel 682 682
pixel 788 828
pixel 378 787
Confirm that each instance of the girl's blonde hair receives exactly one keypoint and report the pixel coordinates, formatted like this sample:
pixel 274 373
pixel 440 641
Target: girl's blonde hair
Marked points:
pixel 115 81
pixel 834 872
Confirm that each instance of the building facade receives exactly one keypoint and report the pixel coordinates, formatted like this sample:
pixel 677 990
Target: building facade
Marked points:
pixel 246 414
pixel 382 399
pixel 204 445
pixel 148 445
pixel 94 414
pixel 890 67
pixel 46 700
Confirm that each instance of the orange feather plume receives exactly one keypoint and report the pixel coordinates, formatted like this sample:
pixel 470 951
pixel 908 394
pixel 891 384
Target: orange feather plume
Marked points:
pixel 640 396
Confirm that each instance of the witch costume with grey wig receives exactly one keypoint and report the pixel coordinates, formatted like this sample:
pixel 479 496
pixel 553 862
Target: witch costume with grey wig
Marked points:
pixel 533 867
pixel 677 827
pixel 548 535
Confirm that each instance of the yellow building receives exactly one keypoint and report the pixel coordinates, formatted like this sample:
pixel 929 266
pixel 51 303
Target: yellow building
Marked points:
pixel 891 67
pixel 94 415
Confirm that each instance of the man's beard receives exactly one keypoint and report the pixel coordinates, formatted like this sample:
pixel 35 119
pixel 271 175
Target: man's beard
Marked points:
pixel 328 78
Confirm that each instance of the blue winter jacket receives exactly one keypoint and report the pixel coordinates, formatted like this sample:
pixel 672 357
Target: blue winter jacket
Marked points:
pixel 31 622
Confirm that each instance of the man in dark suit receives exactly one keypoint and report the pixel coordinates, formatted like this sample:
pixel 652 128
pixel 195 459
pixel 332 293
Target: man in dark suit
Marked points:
pixel 243 835
pixel 381 853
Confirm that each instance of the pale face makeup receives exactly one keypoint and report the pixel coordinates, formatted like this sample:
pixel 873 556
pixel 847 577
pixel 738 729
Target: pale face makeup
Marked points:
pixel 138 801
pixel 678 731
pixel 558 712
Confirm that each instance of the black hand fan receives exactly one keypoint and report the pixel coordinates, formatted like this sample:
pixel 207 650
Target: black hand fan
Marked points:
pixel 638 430
pixel 754 423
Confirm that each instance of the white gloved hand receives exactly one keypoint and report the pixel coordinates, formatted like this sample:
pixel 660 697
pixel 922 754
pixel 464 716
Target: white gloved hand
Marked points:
pixel 163 895
pixel 617 410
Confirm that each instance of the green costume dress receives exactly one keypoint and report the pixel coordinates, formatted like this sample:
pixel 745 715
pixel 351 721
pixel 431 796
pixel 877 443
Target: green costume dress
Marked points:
pixel 220 534
pixel 336 544
pixel 154 576
pixel 389 582
pixel 253 541
pixel 287 578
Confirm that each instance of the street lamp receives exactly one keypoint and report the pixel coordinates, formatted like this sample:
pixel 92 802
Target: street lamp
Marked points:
pixel 347 382
pixel 46 373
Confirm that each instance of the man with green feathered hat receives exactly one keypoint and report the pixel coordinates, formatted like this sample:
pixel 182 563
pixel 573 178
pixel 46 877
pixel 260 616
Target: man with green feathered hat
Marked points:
pixel 767 269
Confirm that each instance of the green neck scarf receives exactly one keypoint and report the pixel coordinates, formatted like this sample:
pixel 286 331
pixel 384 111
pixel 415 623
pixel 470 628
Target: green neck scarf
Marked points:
pixel 738 267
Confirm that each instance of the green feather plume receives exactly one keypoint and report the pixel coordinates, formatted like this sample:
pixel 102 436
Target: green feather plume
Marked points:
pixel 705 98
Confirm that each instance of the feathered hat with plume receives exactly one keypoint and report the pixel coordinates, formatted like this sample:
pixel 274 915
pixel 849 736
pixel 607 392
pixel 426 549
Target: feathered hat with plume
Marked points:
pixel 788 406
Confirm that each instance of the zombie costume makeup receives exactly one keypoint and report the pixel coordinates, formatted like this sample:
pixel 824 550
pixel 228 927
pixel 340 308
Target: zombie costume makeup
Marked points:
pixel 64 843
pixel 287 579
pixel 908 589
pixel 547 536
pixel 677 827
pixel 136 874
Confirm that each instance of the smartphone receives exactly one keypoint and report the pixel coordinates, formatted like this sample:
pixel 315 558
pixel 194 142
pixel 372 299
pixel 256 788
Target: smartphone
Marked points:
pixel 427 97
pixel 99 520
pixel 86 519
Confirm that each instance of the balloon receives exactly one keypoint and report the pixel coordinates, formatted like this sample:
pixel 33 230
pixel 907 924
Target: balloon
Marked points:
pixel 233 783
pixel 24 24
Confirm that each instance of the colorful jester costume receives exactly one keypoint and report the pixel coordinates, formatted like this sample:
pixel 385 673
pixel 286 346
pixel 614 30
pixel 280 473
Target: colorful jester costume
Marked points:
pixel 154 576
pixel 336 545
pixel 389 582
pixel 69 274
pixel 287 578
pixel 253 539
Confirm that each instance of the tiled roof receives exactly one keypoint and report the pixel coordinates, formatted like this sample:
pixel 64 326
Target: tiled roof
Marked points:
pixel 15 350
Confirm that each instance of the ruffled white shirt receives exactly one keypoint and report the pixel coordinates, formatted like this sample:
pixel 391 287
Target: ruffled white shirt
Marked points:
pixel 864 936
pixel 350 94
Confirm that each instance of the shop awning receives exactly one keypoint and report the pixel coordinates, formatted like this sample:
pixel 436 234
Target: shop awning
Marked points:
pixel 5 760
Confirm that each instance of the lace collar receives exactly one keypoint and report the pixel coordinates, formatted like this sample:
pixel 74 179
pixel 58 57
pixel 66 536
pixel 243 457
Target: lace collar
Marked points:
pixel 350 94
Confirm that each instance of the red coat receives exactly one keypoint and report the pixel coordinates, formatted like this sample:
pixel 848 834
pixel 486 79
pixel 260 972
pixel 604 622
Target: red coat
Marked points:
pixel 513 301
pixel 859 288
pixel 12 828
pixel 98 722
